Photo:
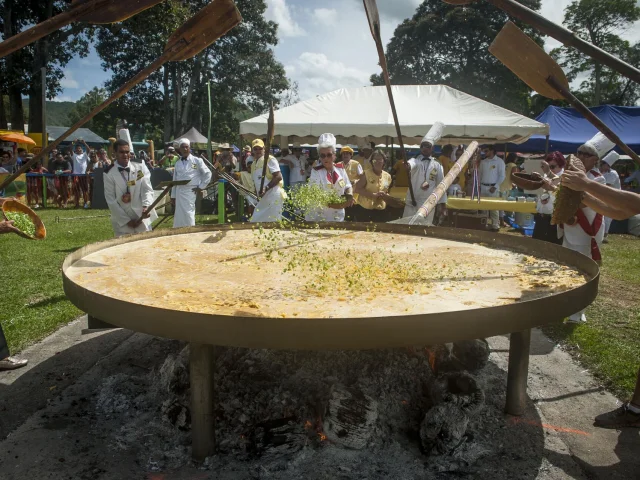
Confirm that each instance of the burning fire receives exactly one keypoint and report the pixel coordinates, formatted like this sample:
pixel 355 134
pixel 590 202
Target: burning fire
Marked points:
pixel 322 436
pixel 432 359
pixel 307 425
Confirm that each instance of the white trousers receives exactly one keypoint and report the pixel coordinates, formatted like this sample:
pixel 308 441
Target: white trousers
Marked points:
pixel 494 215
pixel 585 250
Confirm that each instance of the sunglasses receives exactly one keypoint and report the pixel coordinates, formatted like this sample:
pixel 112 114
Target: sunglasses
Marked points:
pixel 326 155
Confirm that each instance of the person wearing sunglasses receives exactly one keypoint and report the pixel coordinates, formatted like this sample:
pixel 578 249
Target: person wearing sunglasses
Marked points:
pixel 330 175
pixel 585 232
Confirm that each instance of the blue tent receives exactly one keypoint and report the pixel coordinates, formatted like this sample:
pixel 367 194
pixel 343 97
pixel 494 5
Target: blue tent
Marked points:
pixel 235 149
pixel 569 129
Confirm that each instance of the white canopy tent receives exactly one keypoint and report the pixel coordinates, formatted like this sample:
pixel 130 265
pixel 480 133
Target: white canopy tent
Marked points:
pixel 353 114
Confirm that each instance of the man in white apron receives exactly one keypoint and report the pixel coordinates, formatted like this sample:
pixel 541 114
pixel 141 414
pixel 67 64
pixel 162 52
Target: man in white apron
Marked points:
pixel 272 196
pixel 426 174
pixel 612 179
pixel 491 173
pixel 128 192
pixel 585 232
pixel 330 175
pixel 183 197
pixel 297 163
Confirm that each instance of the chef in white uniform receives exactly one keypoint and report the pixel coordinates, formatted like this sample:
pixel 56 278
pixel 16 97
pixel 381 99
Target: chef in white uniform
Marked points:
pixel 128 192
pixel 272 197
pixel 330 175
pixel 585 232
pixel 612 178
pixel 297 166
pixel 426 174
pixel 491 173
pixel 183 197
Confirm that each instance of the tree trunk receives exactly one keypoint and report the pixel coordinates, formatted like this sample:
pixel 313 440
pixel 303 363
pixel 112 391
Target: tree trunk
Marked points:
pixel 41 59
pixel 166 99
pixel 598 87
pixel 16 113
pixel 3 113
pixel 195 78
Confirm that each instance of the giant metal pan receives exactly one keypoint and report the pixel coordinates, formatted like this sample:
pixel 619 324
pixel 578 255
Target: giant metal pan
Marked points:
pixel 345 333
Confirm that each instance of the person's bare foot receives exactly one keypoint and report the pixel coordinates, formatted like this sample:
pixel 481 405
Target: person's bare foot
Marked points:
pixel 11 363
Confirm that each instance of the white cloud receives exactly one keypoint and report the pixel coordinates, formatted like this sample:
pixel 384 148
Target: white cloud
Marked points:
pixel 68 81
pixel 394 10
pixel 325 16
pixel 89 62
pixel 279 12
pixel 63 98
pixel 317 73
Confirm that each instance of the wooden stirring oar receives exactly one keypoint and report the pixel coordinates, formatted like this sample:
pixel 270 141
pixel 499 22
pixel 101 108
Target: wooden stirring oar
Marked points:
pixel 536 68
pixel 563 35
pixel 371 8
pixel 267 149
pixel 200 31
pixel 88 11
pixel 167 188
pixel 428 206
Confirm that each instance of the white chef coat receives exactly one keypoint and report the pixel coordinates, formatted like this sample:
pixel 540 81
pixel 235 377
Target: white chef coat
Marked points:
pixel 319 177
pixel 613 179
pixel 80 163
pixel 491 173
pixel 298 171
pixel 575 238
pixel 423 169
pixel 269 208
pixel 115 186
pixel 193 169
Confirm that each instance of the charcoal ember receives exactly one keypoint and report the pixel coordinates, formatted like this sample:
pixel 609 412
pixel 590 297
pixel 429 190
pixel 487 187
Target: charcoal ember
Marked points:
pixel 472 354
pixel 174 373
pixel 460 389
pixel 443 429
pixel 277 438
pixel 567 201
pixel 176 413
pixel 350 418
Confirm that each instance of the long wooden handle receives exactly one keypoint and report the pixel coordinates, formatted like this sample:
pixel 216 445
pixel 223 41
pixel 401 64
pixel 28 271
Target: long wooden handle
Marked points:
pixel 43 29
pixel 595 121
pixel 428 206
pixel 566 37
pixel 121 91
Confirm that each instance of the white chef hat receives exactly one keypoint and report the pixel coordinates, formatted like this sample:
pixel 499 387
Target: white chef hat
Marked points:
pixel 327 140
pixel 184 141
pixel 434 134
pixel 611 158
pixel 599 145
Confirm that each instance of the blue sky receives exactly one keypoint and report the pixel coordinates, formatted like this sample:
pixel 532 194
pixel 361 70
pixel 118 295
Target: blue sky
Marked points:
pixel 324 45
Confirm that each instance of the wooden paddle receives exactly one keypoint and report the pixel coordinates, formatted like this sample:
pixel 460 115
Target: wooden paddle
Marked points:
pixel 167 188
pixel 371 8
pixel 89 11
pixel 200 31
pixel 267 149
pixel 563 35
pixel 532 65
pixel 456 169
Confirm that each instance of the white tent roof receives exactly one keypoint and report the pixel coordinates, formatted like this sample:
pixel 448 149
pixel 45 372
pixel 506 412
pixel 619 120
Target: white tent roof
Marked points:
pixel 355 113
pixel 194 136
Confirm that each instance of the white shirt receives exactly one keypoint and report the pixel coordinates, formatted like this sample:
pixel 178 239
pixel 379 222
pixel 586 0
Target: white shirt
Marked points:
pixel 256 173
pixel 492 172
pixel 193 169
pixel 574 234
pixel 613 179
pixel 319 176
pixel 425 171
pixel 453 189
pixel 80 163
pixel 298 171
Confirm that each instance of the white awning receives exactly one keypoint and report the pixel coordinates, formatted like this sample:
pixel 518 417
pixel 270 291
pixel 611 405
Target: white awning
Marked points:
pixel 354 114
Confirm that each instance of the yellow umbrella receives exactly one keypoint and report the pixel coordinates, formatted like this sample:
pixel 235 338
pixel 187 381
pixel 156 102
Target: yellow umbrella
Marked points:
pixel 17 138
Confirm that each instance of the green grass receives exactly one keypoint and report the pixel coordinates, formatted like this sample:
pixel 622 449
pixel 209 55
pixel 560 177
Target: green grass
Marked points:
pixel 609 343
pixel 33 302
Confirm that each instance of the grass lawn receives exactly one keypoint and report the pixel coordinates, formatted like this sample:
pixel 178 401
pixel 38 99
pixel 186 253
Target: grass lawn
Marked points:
pixel 609 343
pixel 33 302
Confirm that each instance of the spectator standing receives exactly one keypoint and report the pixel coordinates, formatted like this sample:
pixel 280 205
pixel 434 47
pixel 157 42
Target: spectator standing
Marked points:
pixel 21 159
pixel 170 158
pixel 613 180
pixel 297 163
pixel 35 189
pixel 61 168
pixel 491 173
pixel 7 161
pixel 80 159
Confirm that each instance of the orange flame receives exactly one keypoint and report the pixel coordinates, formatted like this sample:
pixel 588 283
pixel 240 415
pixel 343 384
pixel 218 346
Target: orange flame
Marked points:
pixel 432 359
pixel 322 436
pixel 307 425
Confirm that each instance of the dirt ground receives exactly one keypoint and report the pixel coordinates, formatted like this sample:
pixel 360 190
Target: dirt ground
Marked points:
pixel 81 410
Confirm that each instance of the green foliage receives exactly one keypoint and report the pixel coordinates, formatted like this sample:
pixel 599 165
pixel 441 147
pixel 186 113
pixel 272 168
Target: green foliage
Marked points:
pixel 600 22
pixel 241 68
pixel 311 196
pixel 103 123
pixel 446 44
pixel 57 112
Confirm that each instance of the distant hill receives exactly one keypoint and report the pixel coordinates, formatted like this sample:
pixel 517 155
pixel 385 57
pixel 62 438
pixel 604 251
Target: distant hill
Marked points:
pixel 57 112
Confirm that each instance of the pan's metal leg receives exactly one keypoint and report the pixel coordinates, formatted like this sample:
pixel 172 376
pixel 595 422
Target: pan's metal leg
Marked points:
pixel 201 363
pixel 518 371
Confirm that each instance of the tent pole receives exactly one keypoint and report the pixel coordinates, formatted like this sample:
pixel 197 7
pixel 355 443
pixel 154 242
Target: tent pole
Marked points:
pixel 546 148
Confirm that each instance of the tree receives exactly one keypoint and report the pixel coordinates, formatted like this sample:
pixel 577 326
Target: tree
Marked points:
pixel 599 22
pixel 20 71
pixel 240 68
pixel 104 123
pixel 445 44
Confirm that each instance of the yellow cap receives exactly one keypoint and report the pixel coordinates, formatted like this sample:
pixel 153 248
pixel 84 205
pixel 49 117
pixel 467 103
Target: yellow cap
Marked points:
pixel 257 143
pixel 346 150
